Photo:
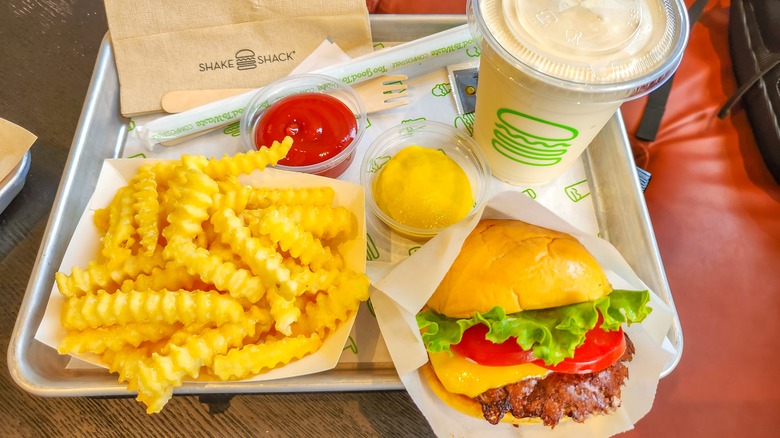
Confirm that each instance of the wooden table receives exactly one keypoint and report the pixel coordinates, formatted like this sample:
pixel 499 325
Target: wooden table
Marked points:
pixel 47 52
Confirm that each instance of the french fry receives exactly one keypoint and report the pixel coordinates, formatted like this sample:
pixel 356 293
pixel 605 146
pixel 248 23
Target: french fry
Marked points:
pixel 171 277
pixel 187 307
pixel 146 208
pixel 101 219
pixel 157 376
pixel 106 276
pixel 119 236
pixel 323 222
pixel 299 243
pixel 283 310
pixel 261 257
pixel 328 309
pixel 80 281
pixel 241 163
pixel 232 195
pixel 127 361
pixel 315 196
pixel 226 276
pixel 252 359
pixel 115 337
pixel 311 281
pixel 192 209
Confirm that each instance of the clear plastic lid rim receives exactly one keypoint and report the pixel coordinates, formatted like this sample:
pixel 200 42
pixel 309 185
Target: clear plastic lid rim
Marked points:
pixel 610 91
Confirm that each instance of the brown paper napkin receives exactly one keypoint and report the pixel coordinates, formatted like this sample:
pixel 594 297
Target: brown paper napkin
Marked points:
pixel 201 44
pixel 14 143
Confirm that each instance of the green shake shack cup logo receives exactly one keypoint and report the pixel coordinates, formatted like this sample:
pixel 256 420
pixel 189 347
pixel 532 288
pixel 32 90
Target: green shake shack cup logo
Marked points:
pixel 538 143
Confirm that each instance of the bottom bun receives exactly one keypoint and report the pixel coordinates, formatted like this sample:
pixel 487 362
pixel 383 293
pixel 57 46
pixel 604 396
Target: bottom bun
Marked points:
pixel 464 404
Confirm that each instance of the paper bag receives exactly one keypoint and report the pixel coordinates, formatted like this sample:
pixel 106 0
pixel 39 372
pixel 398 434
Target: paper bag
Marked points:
pixel 161 46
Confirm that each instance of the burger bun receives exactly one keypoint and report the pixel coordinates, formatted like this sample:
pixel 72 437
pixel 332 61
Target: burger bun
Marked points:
pixel 518 266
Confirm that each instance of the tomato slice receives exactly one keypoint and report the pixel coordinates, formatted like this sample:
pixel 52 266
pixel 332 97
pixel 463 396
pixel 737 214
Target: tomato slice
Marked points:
pixel 474 346
pixel 600 350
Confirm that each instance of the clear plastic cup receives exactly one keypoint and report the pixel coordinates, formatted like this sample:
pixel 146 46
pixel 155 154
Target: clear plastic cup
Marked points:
pixel 553 72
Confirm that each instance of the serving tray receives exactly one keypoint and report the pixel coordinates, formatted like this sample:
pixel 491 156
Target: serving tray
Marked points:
pixel 619 205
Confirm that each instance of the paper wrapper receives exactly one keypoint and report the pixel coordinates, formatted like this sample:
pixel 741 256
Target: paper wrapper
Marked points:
pixel 15 141
pixel 400 294
pixel 207 44
pixel 84 247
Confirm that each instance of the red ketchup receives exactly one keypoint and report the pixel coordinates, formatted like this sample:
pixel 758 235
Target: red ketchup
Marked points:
pixel 320 125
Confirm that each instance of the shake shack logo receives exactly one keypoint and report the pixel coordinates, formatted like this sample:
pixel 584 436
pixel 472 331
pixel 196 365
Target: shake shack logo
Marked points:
pixel 531 140
pixel 246 59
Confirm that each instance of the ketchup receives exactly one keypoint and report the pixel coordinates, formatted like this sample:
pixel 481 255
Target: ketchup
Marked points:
pixel 320 125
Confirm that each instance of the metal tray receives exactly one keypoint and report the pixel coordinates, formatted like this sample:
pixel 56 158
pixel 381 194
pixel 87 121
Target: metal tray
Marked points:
pixel 101 134
pixel 13 182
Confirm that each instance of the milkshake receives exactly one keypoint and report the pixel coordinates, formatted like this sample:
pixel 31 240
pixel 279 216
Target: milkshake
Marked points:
pixel 553 72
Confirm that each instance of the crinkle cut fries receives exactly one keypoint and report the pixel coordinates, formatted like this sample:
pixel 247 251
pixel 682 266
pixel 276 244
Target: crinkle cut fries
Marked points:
pixel 200 274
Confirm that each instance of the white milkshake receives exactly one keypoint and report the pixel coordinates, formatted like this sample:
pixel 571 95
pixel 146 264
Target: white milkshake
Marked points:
pixel 553 72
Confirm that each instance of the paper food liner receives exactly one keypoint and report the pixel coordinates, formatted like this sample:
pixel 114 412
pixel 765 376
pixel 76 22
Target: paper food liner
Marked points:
pixel 85 243
pixel 400 294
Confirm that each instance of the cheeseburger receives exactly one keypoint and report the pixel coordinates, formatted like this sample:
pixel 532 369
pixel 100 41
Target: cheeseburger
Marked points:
pixel 525 327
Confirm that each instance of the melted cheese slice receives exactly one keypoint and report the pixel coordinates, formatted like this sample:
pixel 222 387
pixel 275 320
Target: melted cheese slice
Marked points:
pixel 462 376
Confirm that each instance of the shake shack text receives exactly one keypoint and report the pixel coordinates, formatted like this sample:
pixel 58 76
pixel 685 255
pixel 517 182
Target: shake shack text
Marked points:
pixel 246 59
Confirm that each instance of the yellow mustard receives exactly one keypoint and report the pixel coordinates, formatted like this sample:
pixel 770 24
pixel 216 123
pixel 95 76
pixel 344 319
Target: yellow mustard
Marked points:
pixel 423 188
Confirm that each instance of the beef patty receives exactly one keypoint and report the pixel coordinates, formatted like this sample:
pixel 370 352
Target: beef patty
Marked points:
pixel 558 395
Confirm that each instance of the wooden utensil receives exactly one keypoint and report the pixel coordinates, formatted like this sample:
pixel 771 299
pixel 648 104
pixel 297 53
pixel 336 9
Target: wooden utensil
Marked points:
pixel 381 93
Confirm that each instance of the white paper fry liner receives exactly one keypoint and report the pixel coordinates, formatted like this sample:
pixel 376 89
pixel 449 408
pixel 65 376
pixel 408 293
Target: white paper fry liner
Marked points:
pixel 84 247
pixel 399 295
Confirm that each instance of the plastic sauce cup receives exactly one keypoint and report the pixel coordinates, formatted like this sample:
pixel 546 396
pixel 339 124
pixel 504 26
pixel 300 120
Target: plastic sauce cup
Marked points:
pixel 297 85
pixel 455 144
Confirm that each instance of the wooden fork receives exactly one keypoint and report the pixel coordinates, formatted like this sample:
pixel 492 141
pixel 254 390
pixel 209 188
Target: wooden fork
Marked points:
pixel 377 94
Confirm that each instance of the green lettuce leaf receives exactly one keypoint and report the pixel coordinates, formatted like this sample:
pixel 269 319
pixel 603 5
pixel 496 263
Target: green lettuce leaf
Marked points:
pixel 553 333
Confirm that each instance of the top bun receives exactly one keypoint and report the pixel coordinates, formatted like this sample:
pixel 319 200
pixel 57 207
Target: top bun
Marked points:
pixel 518 266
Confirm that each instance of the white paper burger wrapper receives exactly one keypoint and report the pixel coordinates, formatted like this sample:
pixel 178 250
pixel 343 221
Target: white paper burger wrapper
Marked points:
pixel 403 291
pixel 84 246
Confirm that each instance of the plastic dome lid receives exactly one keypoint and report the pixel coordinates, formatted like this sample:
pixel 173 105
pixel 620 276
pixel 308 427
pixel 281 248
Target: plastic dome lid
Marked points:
pixel 591 42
